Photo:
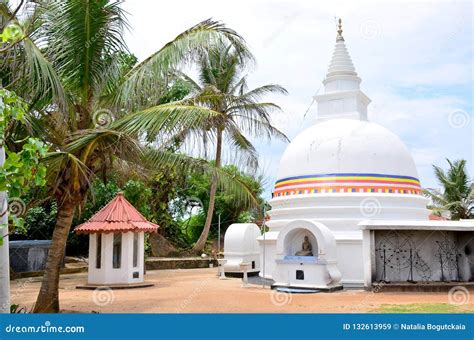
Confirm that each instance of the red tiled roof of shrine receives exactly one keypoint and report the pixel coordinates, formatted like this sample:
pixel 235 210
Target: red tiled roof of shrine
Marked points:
pixel 117 216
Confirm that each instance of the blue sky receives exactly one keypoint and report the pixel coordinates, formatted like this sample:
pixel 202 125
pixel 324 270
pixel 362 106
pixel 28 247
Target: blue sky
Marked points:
pixel 415 60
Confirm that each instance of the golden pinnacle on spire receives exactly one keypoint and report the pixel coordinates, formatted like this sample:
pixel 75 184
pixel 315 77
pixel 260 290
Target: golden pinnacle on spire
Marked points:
pixel 339 31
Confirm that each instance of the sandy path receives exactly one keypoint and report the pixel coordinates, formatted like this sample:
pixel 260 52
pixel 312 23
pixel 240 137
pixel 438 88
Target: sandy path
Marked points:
pixel 200 291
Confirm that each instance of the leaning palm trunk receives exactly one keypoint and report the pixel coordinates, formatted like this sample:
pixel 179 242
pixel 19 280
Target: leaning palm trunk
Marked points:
pixel 4 255
pixel 48 297
pixel 201 242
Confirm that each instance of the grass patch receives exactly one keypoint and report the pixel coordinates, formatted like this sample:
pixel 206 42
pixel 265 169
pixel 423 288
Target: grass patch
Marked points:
pixel 425 308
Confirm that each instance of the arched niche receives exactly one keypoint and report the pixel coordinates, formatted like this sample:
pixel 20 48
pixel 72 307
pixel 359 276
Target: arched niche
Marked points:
pixel 322 240
pixel 294 240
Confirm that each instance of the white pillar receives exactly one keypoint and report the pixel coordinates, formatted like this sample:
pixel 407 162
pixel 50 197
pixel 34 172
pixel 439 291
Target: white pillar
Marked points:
pixel 244 266
pixel 4 253
pixel 368 252
pixel 221 263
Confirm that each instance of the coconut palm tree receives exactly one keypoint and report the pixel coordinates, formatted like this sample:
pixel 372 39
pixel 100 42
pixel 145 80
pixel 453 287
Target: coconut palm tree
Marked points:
pixel 71 67
pixel 457 193
pixel 222 87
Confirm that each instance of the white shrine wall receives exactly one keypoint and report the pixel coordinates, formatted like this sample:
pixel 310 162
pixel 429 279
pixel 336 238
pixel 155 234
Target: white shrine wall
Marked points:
pixel 106 274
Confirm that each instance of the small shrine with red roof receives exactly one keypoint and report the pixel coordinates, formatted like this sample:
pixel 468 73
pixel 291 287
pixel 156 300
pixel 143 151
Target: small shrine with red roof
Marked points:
pixel 116 243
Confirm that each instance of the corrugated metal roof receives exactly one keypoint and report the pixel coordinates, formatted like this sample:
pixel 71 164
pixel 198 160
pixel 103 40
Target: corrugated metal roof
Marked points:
pixel 117 216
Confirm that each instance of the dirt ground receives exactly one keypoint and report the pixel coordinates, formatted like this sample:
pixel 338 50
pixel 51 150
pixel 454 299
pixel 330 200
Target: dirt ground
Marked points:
pixel 200 291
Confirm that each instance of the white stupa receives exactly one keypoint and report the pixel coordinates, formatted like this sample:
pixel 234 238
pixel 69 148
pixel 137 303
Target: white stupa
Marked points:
pixel 340 171
pixel 348 208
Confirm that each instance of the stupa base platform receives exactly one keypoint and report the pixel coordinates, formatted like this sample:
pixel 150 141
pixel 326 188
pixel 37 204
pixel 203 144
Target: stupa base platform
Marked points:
pixel 291 290
pixel 381 287
pixel 308 289
pixel 240 274
pixel 89 286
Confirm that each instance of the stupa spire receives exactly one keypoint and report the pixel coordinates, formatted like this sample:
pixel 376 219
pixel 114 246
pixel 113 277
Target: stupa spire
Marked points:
pixel 342 96
pixel 339 31
pixel 341 62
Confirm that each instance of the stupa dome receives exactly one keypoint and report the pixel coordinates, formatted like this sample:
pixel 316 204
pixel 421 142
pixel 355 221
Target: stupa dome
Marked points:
pixel 346 155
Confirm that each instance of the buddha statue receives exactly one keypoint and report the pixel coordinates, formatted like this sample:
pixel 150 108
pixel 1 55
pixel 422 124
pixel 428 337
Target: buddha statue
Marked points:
pixel 306 248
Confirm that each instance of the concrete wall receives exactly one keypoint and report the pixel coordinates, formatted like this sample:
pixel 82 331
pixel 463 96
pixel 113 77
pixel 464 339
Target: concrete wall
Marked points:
pixel 435 255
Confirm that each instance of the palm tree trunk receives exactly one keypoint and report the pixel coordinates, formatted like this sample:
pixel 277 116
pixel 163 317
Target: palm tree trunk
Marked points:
pixel 4 253
pixel 48 297
pixel 201 242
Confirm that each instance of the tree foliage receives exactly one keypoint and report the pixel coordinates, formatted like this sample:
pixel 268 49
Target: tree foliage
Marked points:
pixel 457 191
pixel 21 170
pixel 96 110
pixel 230 210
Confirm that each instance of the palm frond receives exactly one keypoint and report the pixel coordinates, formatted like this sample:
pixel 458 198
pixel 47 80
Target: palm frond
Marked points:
pixel 31 74
pixel 68 174
pixel 79 36
pixel 104 141
pixel 166 119
pixel 264 90
pixel 242 146
pixel 456 195
pixel 260 128
pixel 153 71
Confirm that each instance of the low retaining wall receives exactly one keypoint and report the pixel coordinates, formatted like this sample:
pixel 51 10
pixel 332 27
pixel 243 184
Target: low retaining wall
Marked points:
pixel 28 256
pixel 14 275
pixel 153 263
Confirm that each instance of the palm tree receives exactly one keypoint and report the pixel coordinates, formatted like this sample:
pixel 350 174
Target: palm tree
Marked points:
pixel 457 194
pixel 239 113
pixel 89 106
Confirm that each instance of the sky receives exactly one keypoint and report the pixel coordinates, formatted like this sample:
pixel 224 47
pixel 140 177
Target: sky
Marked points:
pixel 415 60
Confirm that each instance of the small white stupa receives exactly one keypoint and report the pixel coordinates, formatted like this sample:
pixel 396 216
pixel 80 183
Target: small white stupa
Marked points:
pixel 116 244
pixel 241 247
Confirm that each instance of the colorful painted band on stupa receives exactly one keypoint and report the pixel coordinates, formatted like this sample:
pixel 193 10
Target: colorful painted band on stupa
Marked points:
pixel 347 183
